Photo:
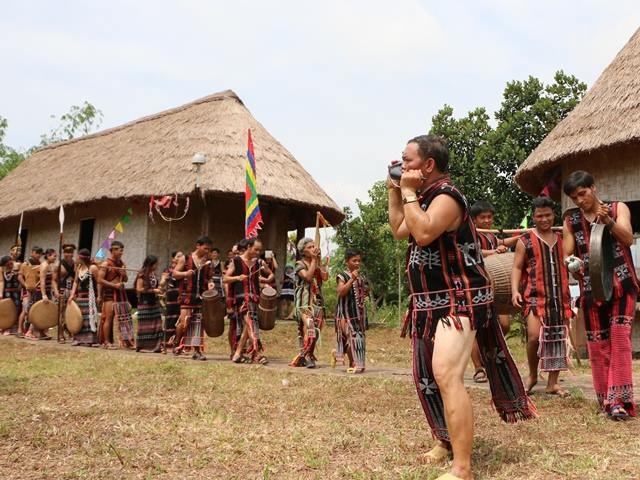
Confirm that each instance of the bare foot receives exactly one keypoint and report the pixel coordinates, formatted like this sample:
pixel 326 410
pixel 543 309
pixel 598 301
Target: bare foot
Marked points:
pixel 557 390
pixel 438 454
pixel 531 382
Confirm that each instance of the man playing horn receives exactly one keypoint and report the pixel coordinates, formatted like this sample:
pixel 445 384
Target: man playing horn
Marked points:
pixel 451 303
pixel 545 301
pixel 196 274
pixel 608 323
pixel 112 278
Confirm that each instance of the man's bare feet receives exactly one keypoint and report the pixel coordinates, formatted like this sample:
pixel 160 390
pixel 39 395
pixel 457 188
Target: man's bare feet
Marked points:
pixel 557 390
pixel 532 381
pixel 438 454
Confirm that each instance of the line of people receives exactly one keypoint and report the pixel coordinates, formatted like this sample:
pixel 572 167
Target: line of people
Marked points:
pixel 170 303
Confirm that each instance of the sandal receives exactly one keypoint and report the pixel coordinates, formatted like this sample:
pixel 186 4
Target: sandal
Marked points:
pixel 240 359
pixel 480 376
pixel 618 413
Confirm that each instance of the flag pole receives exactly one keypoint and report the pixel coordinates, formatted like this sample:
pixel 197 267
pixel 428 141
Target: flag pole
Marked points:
pixel 61 338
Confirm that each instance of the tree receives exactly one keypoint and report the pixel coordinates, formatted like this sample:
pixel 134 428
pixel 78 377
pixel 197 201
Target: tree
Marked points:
pixel 371 234
pixel 78 121
pixel 484 159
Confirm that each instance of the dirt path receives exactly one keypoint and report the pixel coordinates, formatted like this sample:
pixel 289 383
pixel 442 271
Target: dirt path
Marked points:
pixel 569 380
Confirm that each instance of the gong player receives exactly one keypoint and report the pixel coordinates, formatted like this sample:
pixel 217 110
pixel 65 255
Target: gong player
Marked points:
pixel 608 323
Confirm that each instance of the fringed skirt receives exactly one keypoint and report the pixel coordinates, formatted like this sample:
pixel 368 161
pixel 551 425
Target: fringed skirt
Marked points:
pixel 350 341
pixel 194 336
pixel 172 314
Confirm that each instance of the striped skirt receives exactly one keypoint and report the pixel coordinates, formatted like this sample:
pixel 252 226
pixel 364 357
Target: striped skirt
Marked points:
pixel 194 336
pixel 171 314
pixel 149 334
pixel 86 335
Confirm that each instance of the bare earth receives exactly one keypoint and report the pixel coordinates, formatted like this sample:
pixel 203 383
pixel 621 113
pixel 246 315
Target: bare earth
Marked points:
pixel 72 412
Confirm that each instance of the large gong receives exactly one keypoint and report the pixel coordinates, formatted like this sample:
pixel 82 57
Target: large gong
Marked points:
pixel 601 249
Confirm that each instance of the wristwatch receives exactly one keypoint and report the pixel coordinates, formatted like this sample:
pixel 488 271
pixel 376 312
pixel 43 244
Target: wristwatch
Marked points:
pixel 409 199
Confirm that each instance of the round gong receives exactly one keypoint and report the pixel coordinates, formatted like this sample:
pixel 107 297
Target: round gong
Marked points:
pixel 601 249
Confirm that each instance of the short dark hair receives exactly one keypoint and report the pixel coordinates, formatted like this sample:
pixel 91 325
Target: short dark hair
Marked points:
pixel 84 252
pixel 351 252
pixel 68 248
pixel 250 242
pixel 242 244
pixel 203 240
pixel 49 251
pixel 37 250
pixel 4 260
pixel 543 202
pixel 433 146
pixel 215 249
pixel 576 179
pixel 481 206
pixel 116 244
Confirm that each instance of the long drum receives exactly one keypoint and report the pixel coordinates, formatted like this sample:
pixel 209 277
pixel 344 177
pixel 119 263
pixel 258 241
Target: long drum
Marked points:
pixel 267 308
pixel 8 313
pixel 43 315
pixel 601 262
pixel 499 268
pixel 73 317
pixel 213 312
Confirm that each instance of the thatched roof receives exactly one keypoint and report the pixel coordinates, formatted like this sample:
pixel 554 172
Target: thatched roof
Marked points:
pixel 607 116
pixel 152 156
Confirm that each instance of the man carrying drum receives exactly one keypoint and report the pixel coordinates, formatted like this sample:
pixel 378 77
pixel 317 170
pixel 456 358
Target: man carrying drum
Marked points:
pixel 607 322
pixel 545 299
pixel 29 278
pixel 196 275
pixel 243 274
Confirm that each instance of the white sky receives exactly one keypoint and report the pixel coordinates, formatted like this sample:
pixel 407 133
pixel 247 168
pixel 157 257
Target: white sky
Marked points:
pixel 341 84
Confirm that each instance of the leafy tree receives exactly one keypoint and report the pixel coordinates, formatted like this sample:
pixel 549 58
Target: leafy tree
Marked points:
pixel 485 159
pixel 371 234
pixel 80 120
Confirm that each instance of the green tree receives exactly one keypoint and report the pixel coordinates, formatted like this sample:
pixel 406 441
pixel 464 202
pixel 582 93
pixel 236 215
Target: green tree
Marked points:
pixel 371 234
pixel 485 158
pixel 80 120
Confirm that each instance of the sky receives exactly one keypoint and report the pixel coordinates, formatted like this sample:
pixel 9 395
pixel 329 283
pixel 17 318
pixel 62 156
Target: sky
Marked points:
pixel 342 84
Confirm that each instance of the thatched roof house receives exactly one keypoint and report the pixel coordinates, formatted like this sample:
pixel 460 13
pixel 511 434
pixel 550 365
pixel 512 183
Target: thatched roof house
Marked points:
pixel 100 176
pixel 600 135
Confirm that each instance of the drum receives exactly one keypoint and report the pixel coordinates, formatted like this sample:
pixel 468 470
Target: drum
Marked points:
pixel 267 308
pixel 213 311
pixel 73 317
pixel 601 248
pixel 43 315
pixel 499 268
pixel 8 313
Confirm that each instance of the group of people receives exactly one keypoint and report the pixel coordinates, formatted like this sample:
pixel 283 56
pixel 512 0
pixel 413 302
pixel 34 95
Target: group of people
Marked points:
pixel 170 303
pixel 451 315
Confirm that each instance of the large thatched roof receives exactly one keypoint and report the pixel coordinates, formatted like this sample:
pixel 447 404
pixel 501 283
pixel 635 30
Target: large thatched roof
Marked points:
pixel 607 116
pixel 152 156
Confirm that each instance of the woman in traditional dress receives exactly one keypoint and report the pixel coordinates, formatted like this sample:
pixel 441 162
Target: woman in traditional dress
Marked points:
pixel 351 313
pixel 149 335
pixel 10 286
pixel 244 275
pixel 309 306
pixel 171 287
pixel 84 293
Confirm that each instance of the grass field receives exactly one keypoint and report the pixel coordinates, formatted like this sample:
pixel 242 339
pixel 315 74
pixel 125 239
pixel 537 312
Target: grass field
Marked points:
pixel 76 413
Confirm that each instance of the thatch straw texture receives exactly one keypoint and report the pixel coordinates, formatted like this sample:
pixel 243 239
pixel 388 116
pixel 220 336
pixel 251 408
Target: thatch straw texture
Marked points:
pixel 608 115
pixel 152 156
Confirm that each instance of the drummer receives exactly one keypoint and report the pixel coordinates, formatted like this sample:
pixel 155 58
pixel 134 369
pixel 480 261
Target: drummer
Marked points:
pixel 29 278
pixel 48 290
pixel 243 274
pixel 608 323
pixel 546 302
pixel 195 274
pixel 482 213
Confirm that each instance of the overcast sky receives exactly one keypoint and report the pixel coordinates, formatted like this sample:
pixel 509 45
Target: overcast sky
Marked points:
pixel 341 84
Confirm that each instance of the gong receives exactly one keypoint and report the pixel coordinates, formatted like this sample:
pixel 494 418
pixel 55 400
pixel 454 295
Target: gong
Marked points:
pixel 601 248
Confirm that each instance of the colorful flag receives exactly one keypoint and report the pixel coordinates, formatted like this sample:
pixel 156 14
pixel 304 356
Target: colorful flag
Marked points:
pixel 253 217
